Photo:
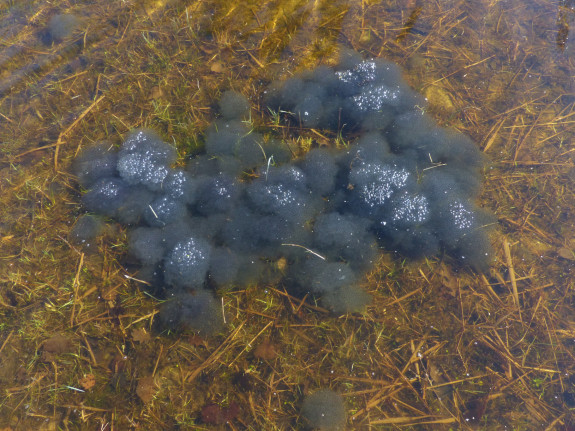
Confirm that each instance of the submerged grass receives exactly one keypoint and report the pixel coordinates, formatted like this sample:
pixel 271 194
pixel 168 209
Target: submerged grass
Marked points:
pixel 440 348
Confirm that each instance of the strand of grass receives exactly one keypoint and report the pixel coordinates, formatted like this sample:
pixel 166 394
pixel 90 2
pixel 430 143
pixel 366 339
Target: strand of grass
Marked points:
pixel 382 395
pixel 553 425
pixel 414 420
pixel 71 126
pixel 493 133
pixel 6 340
pixel 529 226
pixel 510 268
pixel 306 249
pixel 459 70
pixel 76 286
pixel 453 382
pixel 490 288
pixel 378 398
pixel 532 127
pixel 89 347
pixel 407 295
pixel 250 343
pixel 301 302
pixel 158 360
pixel 216 354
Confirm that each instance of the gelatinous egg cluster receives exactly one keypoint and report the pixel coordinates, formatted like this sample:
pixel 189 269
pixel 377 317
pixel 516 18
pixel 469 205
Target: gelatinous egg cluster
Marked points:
pixel 405 185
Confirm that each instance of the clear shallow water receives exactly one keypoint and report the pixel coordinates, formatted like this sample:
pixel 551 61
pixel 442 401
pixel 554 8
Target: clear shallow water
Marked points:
pixel 500 72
